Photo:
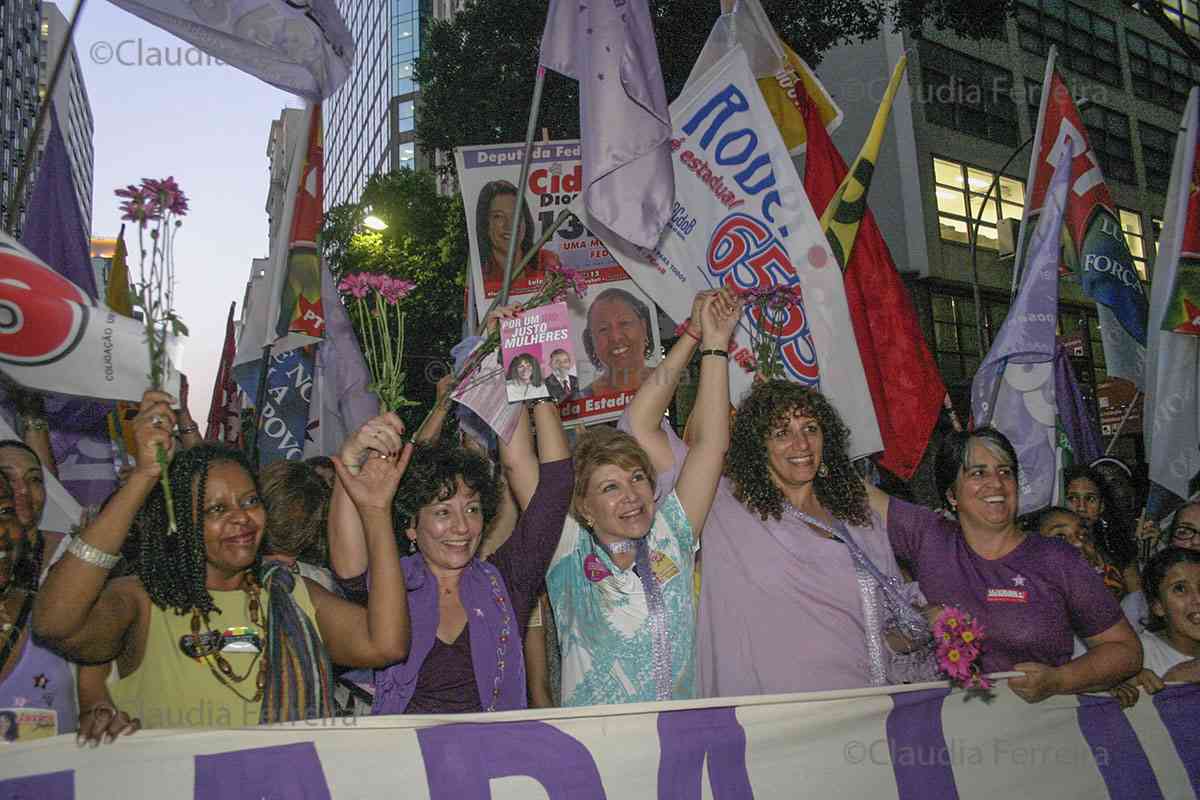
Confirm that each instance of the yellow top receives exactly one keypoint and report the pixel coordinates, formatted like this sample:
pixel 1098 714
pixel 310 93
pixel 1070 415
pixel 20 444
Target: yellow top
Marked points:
pixel 173 690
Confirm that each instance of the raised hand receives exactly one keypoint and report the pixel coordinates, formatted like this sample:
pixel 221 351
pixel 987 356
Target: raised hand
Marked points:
pixel 153 427
pixel 720 314
pixel 382 435
pixel 374 485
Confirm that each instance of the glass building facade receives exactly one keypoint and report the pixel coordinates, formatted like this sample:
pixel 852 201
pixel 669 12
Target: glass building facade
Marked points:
pixel 369 120
pixel 20 56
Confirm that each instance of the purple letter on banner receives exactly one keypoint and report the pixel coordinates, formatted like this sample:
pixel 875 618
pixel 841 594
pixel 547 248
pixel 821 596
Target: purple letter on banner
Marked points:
pixel 685 738
pixel 50 786
pixel 1178 707
pixel 461 759
pixel 1119 755
pixel 289 770
pixel 915 723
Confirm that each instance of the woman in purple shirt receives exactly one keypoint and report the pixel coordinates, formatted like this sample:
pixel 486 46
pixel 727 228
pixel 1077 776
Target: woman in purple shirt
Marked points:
pixel 1030 593
pixel 467 614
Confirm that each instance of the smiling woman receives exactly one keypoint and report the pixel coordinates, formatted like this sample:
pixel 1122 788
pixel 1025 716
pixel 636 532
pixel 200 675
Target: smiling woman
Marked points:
pixel 206 635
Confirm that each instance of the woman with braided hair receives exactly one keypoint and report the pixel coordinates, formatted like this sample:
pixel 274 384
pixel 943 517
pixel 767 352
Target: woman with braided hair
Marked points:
pixel 205 634
pixel 800 589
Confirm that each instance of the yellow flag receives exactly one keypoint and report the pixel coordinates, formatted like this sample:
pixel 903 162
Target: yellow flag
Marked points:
pixel 845 211
pixel 116 296
pixel 796 80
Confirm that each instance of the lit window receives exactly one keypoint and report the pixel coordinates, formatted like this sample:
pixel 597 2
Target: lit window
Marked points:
pixel 959 187
pixel 1185 14
pixel 1131 224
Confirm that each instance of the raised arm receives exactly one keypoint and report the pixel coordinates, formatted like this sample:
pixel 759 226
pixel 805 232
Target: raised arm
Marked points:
pixel 431 428
pixel 379 634
pixel 654 395
pixel 75 614
pixel 517 457
pixel 701 469
pixel 347 545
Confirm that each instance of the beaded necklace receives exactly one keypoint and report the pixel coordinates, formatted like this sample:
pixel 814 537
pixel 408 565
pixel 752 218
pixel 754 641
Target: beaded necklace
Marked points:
pixel 223 671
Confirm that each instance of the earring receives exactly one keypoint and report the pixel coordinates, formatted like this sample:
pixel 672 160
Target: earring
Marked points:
pixel 823 471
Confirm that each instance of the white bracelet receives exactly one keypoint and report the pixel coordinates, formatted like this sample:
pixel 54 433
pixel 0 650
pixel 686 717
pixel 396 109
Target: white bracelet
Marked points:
pixel 91 555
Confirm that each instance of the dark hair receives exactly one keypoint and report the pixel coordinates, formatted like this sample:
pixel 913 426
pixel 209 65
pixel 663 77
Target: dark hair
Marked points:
pixel 1155 573
pixel 1038 518
pixel 296 498
pixel 11 734
pixel 432 476
pixel 558 350
pixel 17 443
pixel 955 449
pixel 841 492
pixel 535 379
pixel 320 462
pixel 1112 532
pixel 483 209
pixel 174 567
pixel 639 308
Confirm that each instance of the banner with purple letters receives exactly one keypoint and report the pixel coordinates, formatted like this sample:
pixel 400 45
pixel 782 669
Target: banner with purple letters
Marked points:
pixel 902 742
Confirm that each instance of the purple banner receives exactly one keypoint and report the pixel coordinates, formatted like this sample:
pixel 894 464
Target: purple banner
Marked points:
pixel 1117 751
pixel 290 770
pixel 686 739
pixel 915 723
pixel 51 786
pixel 1177 708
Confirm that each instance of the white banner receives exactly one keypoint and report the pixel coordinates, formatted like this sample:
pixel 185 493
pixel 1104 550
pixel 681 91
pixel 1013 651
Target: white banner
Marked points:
pixel 614 327
pixel 742 219
pixel 905 742
pixel 300 46
pixel 54 338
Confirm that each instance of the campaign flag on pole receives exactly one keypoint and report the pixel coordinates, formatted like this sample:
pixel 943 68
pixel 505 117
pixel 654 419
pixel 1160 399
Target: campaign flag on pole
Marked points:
pixel 54 229
pixel 783 77
pixel 300 47
pixel 906 386
pixel 743 220
pixel 608 46
pixel 1074 416
pixel 117 295
pixel 224 412
pixel 1097 251
pixel 1014 390
pixel 1172 435
pixel 54 338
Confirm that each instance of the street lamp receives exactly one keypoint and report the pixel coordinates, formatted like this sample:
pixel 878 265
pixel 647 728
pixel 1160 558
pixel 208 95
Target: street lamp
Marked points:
pixel 373 221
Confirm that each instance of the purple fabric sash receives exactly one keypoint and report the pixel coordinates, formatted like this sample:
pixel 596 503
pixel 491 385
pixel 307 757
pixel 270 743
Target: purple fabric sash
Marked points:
pixel 496 652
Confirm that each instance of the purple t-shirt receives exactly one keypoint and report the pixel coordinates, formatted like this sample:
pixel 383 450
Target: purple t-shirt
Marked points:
pixel 1029 602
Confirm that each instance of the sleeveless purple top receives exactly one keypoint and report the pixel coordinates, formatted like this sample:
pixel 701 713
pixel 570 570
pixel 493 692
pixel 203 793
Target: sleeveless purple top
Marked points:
pixel 40 682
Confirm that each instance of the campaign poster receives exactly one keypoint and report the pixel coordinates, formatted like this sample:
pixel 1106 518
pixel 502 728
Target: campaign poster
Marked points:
pixel 613 328
pixel 537 355
pixel 25 724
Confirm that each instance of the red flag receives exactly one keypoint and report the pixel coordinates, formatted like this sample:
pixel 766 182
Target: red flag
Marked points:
pixel 909 401
pixel 224 414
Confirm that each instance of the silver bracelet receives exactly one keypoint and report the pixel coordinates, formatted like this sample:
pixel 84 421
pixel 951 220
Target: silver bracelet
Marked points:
pixel 91 555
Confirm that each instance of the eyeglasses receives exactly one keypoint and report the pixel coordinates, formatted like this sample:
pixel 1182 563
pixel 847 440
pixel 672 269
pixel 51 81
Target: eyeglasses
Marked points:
pixel 1185 533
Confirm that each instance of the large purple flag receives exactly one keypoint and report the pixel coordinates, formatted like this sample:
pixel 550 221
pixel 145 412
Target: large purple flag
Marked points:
pixel 1013 390
pixel 1073 413
pixel 608 46
pixel 54 230
pixel 341 401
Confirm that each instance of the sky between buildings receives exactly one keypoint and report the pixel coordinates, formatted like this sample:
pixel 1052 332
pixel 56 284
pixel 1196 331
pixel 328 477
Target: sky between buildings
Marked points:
pixel 207 125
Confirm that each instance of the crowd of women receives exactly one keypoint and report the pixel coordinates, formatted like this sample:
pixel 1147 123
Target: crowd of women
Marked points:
pixel 425 577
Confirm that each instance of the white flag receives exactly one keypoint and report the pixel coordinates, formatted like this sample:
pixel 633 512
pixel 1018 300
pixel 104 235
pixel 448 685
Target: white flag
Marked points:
pixel 741 219
pixel 300 46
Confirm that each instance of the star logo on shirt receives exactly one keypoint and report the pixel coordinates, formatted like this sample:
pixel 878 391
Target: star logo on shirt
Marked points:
pixel 40 681
pixel 479 612
pixel 1019 580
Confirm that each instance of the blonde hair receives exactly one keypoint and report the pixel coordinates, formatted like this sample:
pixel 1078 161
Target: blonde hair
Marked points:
pixel 600 447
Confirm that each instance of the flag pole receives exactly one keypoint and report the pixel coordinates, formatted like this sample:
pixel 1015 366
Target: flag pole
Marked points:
pixel 1116 434
pixel 14 197
pixel 519 206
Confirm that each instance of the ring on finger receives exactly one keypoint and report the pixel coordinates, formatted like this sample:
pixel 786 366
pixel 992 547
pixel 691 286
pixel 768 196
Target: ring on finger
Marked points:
pixel 156 421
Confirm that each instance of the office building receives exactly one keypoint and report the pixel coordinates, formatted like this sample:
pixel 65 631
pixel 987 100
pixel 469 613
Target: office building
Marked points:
pixel 287 133
pixel 20 22
pixel 73 110
pixel 963 111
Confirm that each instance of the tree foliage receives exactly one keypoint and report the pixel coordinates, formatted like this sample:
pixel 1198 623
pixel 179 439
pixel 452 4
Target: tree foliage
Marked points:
pixel 476 70
pixel 425 242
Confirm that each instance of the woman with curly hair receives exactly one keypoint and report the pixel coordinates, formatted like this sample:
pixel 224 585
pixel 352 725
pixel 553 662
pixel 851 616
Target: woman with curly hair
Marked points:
pixel 621 581
pixel 800 590
pixel 1031 593
pixel 467 613
pixel 206 635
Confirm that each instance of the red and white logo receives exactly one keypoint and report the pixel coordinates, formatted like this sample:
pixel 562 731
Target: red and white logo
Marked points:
pixel 1007 596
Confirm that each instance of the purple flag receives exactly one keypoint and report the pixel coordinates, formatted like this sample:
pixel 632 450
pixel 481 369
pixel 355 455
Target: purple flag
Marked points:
pixel 1013 390
pixel 1073 412
pixel 341 402
pixel 54 230
pixel 608 46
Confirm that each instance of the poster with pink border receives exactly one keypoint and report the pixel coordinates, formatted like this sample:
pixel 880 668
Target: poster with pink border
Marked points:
pixel 537 355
